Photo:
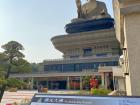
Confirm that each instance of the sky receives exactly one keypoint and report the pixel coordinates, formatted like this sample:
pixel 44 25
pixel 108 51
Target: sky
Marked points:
pixel 34 22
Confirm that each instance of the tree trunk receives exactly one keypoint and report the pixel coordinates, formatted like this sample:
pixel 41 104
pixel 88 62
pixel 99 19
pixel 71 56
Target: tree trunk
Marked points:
pixel 2 92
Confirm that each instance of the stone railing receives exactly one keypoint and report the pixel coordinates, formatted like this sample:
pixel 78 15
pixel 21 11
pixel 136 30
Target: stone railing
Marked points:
pixel 81 58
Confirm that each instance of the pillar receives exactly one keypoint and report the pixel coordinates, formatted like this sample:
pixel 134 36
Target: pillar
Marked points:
pixel 81 84
pixel 37 84
pixel 68 83
pixel 47 83
pixel 103 79
pixel 22 80
pixel 106 80
pixel 32 83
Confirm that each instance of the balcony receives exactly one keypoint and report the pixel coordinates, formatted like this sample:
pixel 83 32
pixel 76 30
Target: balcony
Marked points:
pixel 55 74
pixel 82 59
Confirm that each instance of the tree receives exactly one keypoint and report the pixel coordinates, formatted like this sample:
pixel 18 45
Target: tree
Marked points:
pixel 37 67
pixel 14 83
pixel 21 66
pixel 86 82
pixel 3 67
pixel 11 60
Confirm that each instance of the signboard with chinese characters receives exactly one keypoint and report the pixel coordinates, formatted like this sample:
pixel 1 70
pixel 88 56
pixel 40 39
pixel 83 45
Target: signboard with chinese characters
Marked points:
pixel 44 99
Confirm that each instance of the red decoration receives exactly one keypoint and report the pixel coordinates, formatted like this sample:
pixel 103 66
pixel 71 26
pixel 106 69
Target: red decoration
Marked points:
pixel 93 83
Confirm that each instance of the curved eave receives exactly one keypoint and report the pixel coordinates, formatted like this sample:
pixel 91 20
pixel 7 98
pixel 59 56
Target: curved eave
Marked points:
pixel 84 38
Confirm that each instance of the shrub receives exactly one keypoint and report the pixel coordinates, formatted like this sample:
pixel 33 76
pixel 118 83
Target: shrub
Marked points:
pixel 25 102
pixel 83 92
pixel 86 82
pixel 100 92
pixel 15 103
pixel 14 83
pixel 12 90
pixel 2 81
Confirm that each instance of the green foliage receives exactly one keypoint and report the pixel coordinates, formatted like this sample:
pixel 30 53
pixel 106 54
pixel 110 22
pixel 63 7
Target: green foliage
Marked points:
pixel 100 92
pixel 12 50
pixel 2 81
pixel 3 68
pixel 36 67
pixel 14 83
pixel 21 66
pixel 3 57
pixel 84 92
pixel 11 60
pixel 3 62
pixel 12 90
pixel 86 81
pixel 14 58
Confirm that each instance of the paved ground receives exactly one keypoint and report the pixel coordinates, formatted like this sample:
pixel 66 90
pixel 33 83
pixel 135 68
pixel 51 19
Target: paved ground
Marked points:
pixel 10 97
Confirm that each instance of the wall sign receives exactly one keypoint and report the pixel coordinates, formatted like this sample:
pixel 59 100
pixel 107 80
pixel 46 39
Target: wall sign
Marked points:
pixel 44 99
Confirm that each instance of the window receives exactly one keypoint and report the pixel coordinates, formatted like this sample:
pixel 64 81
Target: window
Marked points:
pixel 76 56
pixel 76 67
pixel 68 67
pixel 101 55
pixel 88 52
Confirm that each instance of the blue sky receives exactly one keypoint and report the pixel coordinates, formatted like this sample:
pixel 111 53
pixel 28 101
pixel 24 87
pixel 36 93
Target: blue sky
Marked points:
pixel 34 22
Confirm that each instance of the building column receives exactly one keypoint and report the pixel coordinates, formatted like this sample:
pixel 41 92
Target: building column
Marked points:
pixel 103 79
pixel 37 83
pixel 32 83
pixel 47 83
pixel 22 80
pixel 68 83
pixel 106 80
pixel 81 84
pixel 51 83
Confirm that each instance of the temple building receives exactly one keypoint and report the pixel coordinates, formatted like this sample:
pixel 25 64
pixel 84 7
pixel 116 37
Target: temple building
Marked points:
pixel 83 54
pixel 90 43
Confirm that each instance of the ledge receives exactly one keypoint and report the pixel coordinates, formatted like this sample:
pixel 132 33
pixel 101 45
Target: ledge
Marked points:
pixel 45 74
pixel 130 9
pixel 77 40
pixel 123 1
pixel 82 60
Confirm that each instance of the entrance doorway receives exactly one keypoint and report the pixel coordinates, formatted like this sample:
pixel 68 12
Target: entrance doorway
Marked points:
pixel 57 85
